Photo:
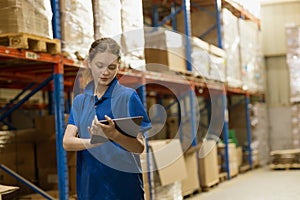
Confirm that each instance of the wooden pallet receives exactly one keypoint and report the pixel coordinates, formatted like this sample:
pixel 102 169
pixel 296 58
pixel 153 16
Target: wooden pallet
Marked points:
pixel 222 177
pixel 244 168
pixel 191 194
pixel 208 188
pixel 285 166
pixel 30 42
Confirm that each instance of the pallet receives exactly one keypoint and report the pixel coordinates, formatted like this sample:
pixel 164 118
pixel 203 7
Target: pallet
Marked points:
pixel 244 168
pixel 222 177
pixel 191 194
pixel 30 42
pixel 208 188
pixel 285 166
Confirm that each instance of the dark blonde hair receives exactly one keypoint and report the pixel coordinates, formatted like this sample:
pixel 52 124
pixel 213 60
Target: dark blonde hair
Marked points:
pixel 99 46
pixel 104 45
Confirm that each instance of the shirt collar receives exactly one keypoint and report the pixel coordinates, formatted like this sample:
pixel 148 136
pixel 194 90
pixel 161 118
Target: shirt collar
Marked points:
pixel 108 93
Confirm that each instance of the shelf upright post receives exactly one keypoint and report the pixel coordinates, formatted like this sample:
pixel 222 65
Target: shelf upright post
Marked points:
pixel 62 169
pixel 142 95
pixel 154 14
pixel 248 124
pixel 226 132
pixel 187 29
pixel 173 11
pixel 56 19
pixel 218 7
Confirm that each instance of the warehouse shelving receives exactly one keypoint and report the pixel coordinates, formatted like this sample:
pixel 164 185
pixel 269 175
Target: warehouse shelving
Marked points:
pixel 37 67
pixel 201 5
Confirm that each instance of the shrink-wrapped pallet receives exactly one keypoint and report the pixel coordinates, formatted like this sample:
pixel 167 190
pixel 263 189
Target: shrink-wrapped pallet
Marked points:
pixel 200 57
pixel 77 26
pixel 26 16
pixel 107 18
pixel 231 42
pixel 133 33
pixel 249 50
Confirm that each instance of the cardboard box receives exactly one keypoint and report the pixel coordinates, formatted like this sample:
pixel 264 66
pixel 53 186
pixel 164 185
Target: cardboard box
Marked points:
pixel 164 51
pixel 169 161
pixel 208 164
pixel 233 161
pixel 5 189
pixel 191 183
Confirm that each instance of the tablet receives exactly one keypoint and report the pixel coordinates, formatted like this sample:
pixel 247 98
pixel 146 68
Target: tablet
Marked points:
pixel 128 126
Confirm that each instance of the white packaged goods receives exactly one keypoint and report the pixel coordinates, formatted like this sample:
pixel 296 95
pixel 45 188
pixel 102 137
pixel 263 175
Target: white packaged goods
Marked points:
pixel 200 57
pixel 217 69
pixel 133 33
pixel 26 16
pixel 249 49
pixel 293 60
pixel 77 26
pixel 231 42
pixel 107 16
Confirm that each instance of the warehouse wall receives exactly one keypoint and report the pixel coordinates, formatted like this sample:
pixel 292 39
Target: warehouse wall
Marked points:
pixel 274 17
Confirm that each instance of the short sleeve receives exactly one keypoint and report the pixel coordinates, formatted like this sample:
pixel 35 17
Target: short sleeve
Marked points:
pixel 71 118
pixel 136 108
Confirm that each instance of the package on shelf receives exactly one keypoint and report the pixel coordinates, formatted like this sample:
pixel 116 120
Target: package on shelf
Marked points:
pixel 191 183
pixel 293 60
pixel 208 164
pixel 168 161
pixel 107 19
pixel 231 42
pixel 200 57
pixel 26 16
pixel 295 112
pixel 260 131
pixel 233 160
pixel 248 48
pixel 217 59
pixel 164 50
pixel 77 27
pixel 292 33
pixel 133 34
pixel 170 191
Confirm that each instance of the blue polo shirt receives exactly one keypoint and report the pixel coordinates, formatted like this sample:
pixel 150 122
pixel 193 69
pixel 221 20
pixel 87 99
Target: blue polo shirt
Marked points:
pixel 108 171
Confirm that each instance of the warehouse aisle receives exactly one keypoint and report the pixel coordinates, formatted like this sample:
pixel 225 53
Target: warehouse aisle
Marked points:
pixel 259 184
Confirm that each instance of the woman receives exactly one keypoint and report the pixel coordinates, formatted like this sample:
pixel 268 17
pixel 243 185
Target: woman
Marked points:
pixel 110 169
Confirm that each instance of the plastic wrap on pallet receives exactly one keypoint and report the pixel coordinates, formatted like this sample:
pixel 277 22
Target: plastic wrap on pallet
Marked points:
pixel 217 64
pixel 260 124
pixel 231 41
pixel 133 34
pixel 295 111
pixel 293 60
pixel 249 43
pixel 26 16
pixel 77 26
pixel 169 192
pixel 200 57
pixel 107 16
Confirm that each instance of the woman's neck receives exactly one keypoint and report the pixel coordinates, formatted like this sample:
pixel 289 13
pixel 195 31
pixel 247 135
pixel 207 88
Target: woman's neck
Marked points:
pixel 100 90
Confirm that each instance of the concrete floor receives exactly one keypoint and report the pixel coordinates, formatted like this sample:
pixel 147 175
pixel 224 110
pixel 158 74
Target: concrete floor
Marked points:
pixel 258 184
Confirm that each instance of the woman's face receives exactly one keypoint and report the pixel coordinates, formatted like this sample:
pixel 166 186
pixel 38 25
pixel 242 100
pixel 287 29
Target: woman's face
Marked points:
pixel 104 68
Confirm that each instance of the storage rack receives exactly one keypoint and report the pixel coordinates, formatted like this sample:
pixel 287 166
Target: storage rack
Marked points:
pixel 44 68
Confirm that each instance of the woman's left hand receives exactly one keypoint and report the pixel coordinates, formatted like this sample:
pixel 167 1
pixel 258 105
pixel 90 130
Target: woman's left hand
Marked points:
pixel 110 129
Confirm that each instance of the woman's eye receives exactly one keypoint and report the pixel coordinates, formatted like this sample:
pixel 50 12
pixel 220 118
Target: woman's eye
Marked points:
pixel 100 66
pixel 112 67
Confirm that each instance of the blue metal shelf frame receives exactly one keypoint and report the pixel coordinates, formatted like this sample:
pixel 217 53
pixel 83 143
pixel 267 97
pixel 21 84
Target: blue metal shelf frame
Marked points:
pixel 62 169
pixel 226 133
pixel 249 135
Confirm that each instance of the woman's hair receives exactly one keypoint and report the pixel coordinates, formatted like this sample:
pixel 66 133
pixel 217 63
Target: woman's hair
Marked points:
pixel 98 46
pixel 104 45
